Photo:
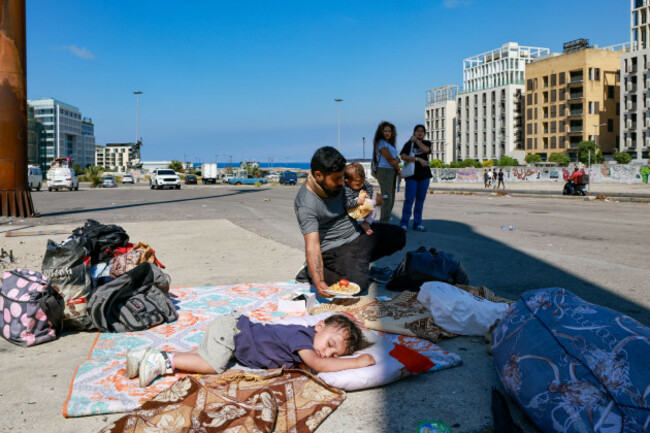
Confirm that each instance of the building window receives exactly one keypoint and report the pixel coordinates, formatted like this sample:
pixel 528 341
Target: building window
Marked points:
pixel 529 143
pixel 529 85
pixel 553 80
pixel 553 111
pixel 610 92
pixel 562 94
pixel 535 98
pixel 529 113
pixel 561 78
pixel 545 80
pixel 553 127
pixel 561 126
pixel 561 110
pixel 545 95
pixel 610 125
pixel 553 95
pixel 529 128
pixel 529 99
pixel 553 143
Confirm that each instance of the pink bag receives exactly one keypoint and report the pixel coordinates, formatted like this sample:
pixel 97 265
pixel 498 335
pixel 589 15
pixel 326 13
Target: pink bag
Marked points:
pixel 31 311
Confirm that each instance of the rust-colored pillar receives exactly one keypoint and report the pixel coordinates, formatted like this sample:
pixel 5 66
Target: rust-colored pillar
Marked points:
pixel 15 199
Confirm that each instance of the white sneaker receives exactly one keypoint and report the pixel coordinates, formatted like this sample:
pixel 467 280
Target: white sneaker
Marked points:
pixel 153 364
pixel 133 360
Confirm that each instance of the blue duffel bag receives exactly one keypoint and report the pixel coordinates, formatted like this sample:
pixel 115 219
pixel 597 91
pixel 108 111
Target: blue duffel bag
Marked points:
pixel 573 366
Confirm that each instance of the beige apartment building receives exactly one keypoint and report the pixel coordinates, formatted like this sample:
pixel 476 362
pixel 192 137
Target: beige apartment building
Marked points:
pixel 573 97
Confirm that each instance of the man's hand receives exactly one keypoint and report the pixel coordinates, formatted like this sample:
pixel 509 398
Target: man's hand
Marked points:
pixel 322 287
pixel 379 200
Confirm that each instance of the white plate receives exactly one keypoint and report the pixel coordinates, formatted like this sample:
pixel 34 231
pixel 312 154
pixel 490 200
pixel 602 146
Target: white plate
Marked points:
pixel 354 286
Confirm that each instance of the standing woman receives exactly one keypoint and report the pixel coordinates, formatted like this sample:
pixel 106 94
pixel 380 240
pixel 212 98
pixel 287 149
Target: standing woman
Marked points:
pixel 388 169
pixel 416 150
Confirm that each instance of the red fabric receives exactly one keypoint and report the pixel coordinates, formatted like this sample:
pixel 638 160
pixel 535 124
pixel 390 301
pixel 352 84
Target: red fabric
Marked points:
pixel 413 361
pixel 123 250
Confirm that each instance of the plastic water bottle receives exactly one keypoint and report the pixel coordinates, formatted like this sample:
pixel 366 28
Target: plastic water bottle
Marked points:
pixel 510 228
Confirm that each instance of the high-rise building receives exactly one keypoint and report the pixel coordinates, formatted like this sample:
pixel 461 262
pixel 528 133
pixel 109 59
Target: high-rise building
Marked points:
pixel 35 140
pixel 440 122
pixel 489 120
pixel 573 97
pixel 63 132
pixel 117 156
pixel 635 84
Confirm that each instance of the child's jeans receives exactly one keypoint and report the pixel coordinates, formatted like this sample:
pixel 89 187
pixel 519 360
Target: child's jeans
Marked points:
pixel 218 344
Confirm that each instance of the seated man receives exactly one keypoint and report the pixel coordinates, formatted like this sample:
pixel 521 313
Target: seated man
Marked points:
pixel 335 246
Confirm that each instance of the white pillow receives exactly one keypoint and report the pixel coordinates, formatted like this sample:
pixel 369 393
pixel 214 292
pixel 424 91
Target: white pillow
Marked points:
pixel 394 355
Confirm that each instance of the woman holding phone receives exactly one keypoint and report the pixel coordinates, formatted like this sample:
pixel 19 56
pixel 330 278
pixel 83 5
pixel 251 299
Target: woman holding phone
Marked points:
pixel 416 151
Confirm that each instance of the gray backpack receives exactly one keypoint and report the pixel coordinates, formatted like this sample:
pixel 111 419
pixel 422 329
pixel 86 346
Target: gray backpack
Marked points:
pixel 137 300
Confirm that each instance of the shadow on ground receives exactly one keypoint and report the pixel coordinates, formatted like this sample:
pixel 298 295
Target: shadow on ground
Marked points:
pixel 461 396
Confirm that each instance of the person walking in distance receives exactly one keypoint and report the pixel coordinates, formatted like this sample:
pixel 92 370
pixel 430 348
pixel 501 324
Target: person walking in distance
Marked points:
pixel 416 151
pixel 501 184
pixel 387 166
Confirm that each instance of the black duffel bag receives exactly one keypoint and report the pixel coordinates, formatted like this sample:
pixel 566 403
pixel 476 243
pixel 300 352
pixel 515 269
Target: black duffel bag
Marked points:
pixel 101 239
pixel 424 265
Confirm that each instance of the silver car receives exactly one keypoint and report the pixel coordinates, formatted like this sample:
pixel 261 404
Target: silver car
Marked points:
pixel 109 182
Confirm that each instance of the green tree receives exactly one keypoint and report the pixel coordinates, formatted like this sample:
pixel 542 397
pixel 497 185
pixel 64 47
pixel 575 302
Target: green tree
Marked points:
pixel 456 164
pixel 589 151
pixel 507 161
pixel 471 163
pixel 253 171
pixel 532 158
pixel 622 157
pixel 93 175
pixel 436 163
pixel 176 165
pixel 560 158
pixel 488 163
pixel 77 168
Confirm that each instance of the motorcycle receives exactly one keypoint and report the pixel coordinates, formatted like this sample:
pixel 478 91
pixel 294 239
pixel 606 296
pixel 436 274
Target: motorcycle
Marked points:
pixel 572 188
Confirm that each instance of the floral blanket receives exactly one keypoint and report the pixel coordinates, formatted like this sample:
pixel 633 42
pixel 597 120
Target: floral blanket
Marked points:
pixel 403 314
pixel 100 385
pixel 273 401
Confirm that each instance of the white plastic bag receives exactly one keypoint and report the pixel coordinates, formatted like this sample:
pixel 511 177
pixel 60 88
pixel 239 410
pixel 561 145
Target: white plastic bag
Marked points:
pixel 458 311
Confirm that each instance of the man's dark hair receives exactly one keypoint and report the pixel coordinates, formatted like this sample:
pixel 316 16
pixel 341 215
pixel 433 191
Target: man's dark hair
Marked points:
pixel 354 339
pixel 327 160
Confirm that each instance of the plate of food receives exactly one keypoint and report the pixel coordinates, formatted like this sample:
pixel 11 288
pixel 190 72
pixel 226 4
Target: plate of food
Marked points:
pixel 343 288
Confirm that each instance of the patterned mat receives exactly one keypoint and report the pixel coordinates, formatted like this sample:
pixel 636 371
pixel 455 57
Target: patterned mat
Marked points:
pixel 100 386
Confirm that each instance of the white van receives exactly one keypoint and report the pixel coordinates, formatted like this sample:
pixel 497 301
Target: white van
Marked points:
pixel 62 178
pixel 34 178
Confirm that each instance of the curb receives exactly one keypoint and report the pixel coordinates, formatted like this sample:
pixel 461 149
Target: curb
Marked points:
pixel 542 194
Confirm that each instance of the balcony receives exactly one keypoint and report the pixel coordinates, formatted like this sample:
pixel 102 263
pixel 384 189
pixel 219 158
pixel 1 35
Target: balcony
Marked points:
pixel 630 106
pixel 575 80
pixel 575 130
pixel 575 113
pixel 631 87
pixel 576 96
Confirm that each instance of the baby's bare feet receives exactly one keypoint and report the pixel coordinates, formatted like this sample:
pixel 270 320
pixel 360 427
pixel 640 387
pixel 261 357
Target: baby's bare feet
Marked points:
pixel 366 228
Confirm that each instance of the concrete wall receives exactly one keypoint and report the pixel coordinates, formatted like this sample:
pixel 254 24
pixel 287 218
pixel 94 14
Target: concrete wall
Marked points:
pixel 600 173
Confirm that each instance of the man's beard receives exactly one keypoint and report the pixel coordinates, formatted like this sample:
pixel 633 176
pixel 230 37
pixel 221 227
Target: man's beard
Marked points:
pixel 331 193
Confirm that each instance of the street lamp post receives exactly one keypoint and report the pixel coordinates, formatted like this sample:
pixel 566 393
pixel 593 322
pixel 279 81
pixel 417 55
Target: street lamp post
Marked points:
pixel 338 105
pixel 137 94
pixel 595 149
pixel 364 147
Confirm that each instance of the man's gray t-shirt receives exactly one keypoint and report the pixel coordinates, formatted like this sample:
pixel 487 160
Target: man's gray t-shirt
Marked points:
pixel 326 216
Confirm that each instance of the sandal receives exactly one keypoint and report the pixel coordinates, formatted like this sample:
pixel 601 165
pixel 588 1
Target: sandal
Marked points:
pixel 420 228
pixel 405 228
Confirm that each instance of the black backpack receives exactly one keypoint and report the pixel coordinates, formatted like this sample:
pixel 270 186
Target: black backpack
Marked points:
pixel 424 265
pixel 101 239
pixel 137 300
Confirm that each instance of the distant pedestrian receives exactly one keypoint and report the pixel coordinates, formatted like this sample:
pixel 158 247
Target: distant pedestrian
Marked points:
pixel 495 176
pixel 388 168
pixel 485 178
pixel 501 184
pixel 488 174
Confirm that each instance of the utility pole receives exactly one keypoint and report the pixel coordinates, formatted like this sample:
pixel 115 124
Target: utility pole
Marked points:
pixel 137 94
pixel 15 199
pixel 364 147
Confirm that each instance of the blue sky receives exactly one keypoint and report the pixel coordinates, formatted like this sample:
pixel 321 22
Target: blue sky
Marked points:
pixel 257 80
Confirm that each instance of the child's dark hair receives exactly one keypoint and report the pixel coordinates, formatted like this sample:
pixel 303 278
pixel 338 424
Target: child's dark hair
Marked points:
pixel 354 170
pixel 355 339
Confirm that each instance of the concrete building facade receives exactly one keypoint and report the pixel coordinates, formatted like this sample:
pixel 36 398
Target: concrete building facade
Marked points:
pixel 440 122
pixel 63 132
pixel 573 97
pixel 35 140
pixel 489 120
pixel 118 157
pixel 635 84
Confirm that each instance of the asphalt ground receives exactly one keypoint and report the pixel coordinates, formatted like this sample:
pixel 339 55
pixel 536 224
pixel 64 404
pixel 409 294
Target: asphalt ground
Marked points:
pixel 222 235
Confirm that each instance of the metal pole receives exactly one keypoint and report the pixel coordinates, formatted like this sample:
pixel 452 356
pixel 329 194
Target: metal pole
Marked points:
pixel 137 114
pixel 15 199
pixel 338 105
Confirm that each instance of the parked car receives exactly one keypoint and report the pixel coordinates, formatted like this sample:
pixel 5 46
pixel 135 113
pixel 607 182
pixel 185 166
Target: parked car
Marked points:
pixel 62 178
pixel 34 178
pixel 248 179
pixel 273 178
pixel 109 182
pixel 127 179
pixel 227 177
pixel 303 175
pixel 209 173
pixel 162 177
pixel 288 178
pixel 191 179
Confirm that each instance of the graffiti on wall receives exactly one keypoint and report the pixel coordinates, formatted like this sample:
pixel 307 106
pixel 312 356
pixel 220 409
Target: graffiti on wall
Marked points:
pixel 553 174
pixel 468 175
pixel 525 173
pixel 447 174
pixel 644 172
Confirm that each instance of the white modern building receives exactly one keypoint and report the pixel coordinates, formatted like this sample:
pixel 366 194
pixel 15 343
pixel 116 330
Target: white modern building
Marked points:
pixel 635 84
pixel 489 112
pixel 119 157
pixel 440 122
pixel 64 134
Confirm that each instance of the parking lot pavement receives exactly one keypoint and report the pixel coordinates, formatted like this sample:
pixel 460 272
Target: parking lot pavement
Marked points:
pixel 208 234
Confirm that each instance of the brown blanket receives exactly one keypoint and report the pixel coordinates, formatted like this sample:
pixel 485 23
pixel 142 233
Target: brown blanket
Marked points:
pixel 403 315
pixel 275 401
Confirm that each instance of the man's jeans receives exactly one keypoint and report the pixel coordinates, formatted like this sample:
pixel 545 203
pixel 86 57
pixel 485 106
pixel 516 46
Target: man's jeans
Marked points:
pixel 415 190
pixel 352 260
